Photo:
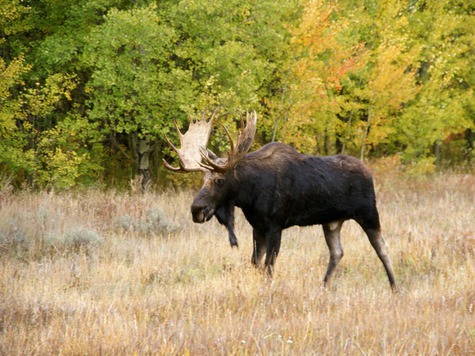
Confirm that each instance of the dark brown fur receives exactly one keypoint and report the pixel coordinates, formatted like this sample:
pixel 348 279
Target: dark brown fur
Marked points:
pixel 277 187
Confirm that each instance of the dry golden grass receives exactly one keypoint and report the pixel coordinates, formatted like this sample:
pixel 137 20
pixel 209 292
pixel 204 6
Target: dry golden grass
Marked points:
pixel 104 273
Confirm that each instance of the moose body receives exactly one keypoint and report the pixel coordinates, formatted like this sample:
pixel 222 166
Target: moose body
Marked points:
pixel 277 187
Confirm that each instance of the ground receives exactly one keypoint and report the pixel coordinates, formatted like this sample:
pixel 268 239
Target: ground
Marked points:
pixel 114 273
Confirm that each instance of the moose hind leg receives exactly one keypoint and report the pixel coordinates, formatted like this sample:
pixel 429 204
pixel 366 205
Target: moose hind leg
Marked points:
pixel 332 238
pixel 381 248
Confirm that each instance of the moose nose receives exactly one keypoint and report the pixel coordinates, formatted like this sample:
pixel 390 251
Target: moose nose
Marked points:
pixel 198 214
pixel 198 217
pixel 201 213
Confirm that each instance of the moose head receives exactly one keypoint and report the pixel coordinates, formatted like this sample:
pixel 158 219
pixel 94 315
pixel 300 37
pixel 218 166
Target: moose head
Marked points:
pixel 213 198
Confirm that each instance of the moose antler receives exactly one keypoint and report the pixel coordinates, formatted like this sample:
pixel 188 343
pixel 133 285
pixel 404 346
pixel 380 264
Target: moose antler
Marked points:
pixel 197 136
pixel 235 154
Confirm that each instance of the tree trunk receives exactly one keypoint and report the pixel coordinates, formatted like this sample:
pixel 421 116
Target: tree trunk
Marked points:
pixel 276 123
pixel 346 133
pixel 143 150
pixel 438 153
pixel 366 132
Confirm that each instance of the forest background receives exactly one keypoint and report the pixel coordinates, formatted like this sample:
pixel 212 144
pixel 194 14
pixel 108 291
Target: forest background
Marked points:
pixel 88 89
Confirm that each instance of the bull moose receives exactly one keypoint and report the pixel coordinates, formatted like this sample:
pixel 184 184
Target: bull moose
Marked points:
pixel 277 187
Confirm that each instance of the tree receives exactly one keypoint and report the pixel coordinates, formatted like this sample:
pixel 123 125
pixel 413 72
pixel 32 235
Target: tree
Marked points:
pixel 237 52
pixel 353 73
pixel 445 71
pixel 121 71
pixel 390 85
pixel 14 128
pixel 135 86
pixel 44 105
pixel 324 59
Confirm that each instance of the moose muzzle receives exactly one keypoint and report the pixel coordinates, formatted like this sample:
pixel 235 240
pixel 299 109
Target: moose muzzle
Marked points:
pixel 201 214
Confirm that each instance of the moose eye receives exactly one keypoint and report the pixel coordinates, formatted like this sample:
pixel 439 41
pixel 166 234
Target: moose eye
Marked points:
pixel 219 182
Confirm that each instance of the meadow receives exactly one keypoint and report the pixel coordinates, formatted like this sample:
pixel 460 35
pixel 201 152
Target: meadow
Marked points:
pixel 96 272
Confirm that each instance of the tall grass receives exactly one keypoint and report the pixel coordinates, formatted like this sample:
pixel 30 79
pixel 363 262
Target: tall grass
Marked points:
pixel 108 273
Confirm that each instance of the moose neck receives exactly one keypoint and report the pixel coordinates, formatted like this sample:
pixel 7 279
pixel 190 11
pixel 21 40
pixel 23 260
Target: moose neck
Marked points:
pixel 245 179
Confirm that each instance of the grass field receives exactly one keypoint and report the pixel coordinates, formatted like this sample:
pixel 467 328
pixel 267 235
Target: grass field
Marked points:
pixel 108 273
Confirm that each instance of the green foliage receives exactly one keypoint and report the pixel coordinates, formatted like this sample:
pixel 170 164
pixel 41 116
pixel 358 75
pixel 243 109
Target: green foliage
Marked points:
pixel 134 83
pixel 420 167
pixel 14 129
pixel 236 50
pixel 85 86
pixel 69 154
pixel 445 103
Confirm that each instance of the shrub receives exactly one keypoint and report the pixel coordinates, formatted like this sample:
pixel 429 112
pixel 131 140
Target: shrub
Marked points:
pixel 76 240
pixel 154 222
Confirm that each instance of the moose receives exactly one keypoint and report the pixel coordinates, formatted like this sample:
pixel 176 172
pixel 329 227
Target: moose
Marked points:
pixel 277 187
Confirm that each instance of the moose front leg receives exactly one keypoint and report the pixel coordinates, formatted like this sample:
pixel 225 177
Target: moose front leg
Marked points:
pixel 258 249
pixel 273 238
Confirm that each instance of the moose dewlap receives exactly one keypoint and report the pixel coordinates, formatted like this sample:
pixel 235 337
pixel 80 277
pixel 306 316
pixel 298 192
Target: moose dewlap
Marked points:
pixel 277 187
